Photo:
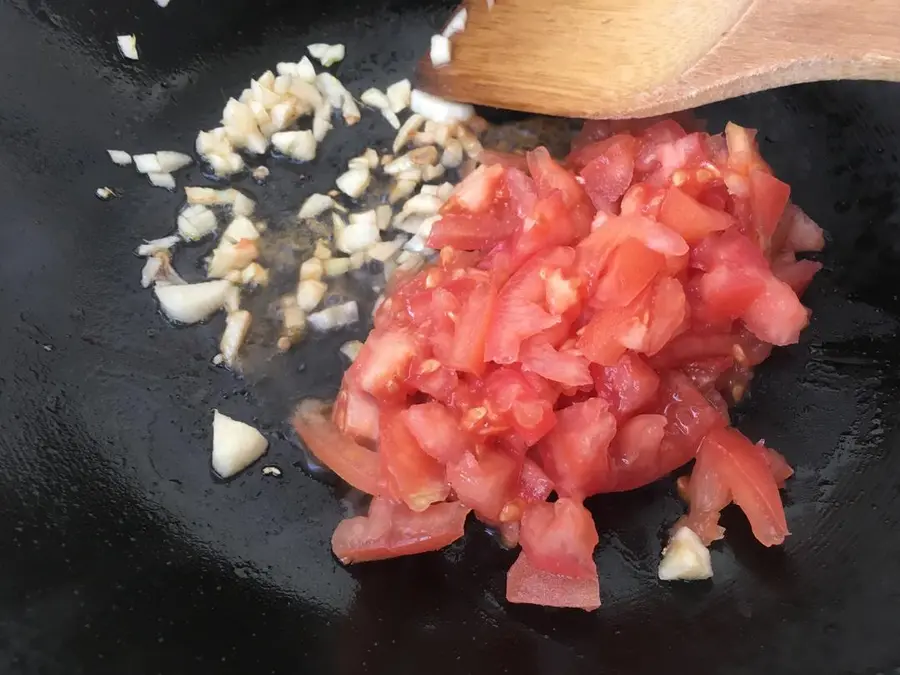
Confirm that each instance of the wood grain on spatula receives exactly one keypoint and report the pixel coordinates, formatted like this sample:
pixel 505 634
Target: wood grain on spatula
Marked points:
pixel 636 58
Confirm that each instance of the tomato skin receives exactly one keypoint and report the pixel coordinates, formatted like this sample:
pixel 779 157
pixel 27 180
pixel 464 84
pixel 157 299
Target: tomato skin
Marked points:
pixel 628 385
pixel 476 193
pixel 568 369
pixel 798 232
pixel 781 470
pixel 689 218
pixel 392 530
pixel 585 154
pixel 798 274
pixel 632 266
pixel 595 250
pixel 485 483
pixel 436 429
pixel 357 465
pixel 743 154
pixel 690 417
pixel 560 538
pixel 525 583
pixel 574 453
pixel 768 198
pixel 355 413
pixel 382 367
pixel 472 330
pixel 507 160
pixel 469 231
pixel 635 453
pixel 668 307
pixel 520 312
pixel 608 174
pixel 707 495
pixel 413 476
pixel 745 469
pixel 549 176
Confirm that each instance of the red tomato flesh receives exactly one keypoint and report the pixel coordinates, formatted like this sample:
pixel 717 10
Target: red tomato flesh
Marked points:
pixel 581 331
pixel 391 530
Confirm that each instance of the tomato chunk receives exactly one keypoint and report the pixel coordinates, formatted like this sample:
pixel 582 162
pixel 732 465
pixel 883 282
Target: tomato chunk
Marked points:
pixel 560 538
pixel 437 431
pixel 689 218
pixel 526 583
pixel 414 477
pixel 582 329
pixel 357 465
pixel 574 453
pixel 485 483
pixel 744 468
pixel 391 530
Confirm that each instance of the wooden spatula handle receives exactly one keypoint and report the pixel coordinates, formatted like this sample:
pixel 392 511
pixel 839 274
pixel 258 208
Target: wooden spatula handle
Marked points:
pixel 784 42
pixel 630 58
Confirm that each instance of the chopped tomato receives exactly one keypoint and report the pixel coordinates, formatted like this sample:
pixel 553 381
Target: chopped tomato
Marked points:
pixel 631 269
pixel 583 155
pixel 485 483
pixel 574 453
pixel 582 330
pixel 799 231
pixel 768 198
pixel 595 250
pixel 467 352
pixel 432 378
pixel 469 231
pixel 477 192
pixel 628 385
pixel 534 484
pixel 513 398
pixel 743 155
pixel 609 173
pixel 690 418
pixel 667 314
pixel 413 476
pixel 355 413
pixel 744 469
pixel 560 538
pixel 520 310
pixel 525 583
pixel 564 367
pixel 635 453
pixel 383 363
pixel 549 176
pixel 437 430
pixel 797 274
pixel 776 316
pixel 507 160
pixel 349 460
pixel 642 199
pixel 689 218
pixel 392 530
pixel 781 470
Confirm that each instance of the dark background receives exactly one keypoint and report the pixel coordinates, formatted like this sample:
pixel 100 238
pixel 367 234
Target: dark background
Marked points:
pixel 120 553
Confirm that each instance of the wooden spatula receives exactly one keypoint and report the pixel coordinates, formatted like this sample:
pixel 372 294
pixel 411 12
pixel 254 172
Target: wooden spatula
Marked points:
pixel 637 58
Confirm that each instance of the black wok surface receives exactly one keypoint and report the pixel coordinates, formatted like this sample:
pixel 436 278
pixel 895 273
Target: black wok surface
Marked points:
pixel 119 552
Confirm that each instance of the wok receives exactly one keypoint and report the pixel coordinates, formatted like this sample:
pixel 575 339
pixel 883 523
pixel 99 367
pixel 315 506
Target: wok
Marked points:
pixel 122 554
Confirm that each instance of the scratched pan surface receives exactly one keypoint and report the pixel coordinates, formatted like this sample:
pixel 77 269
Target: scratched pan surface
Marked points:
pixel 120 554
